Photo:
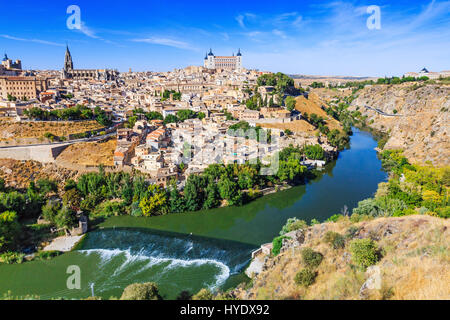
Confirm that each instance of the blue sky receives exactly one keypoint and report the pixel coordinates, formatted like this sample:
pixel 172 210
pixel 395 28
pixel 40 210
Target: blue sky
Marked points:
pixel 303 37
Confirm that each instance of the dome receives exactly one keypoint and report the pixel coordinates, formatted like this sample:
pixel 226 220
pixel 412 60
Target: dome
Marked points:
pixel 210 53
pixel 239 53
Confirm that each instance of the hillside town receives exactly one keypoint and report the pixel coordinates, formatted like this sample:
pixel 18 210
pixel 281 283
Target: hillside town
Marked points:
pixel 167 125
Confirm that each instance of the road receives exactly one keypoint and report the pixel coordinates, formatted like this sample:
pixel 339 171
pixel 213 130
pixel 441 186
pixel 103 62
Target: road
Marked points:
pixel 91 139
pixel 382 112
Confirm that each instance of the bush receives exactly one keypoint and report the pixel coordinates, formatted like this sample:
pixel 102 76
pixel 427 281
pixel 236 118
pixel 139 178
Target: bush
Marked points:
pixel 277 244
pixel 364 252
pixel 352 232
pixel 334 218
pixel 293 224
pixel 335 240
pixel 311 258
pixel 204 294
pixel 47 255
pixel 141 291
pixel 305 277
pixel 12 257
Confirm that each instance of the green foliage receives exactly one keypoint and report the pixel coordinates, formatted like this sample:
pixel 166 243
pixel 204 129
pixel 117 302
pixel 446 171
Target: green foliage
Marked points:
pixel 314 152
pixel 334 218
pixel 9 230
pixel 12 257
pixel 47 255
pixel 277 243
pixel 290 103
pixel 293 224
pixel 78 112
pixel 108 209
pixel 141 291
pixel 281 82
pixel 154 115
pixel 364 252
pixel 72 199
pixel 171 119
pixel 312 259
pixel 335 240
pixel 203 294
pixel 186 114
pixel 305 277
pixel 368 207
pixel 411 189
pixel 154 202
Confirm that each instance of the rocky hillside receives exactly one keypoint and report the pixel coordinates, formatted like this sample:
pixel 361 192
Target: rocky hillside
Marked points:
pixel 416 117
pixel 401 258
pixel 18 174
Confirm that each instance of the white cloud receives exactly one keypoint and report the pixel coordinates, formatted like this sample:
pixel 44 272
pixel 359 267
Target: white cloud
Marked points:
pixel 240 20
pixel 166 42
pixel 32 40
pixel 279 33
pixel 88 31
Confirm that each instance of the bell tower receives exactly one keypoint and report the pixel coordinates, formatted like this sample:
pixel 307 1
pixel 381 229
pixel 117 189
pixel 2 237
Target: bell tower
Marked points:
pixel 68 64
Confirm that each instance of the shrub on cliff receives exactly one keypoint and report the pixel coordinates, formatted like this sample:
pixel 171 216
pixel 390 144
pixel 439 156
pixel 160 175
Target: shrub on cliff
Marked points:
pixel 312 259
pixel 141 291
pixel 364 252
pixel 334 239
pixel 305 277
pixel 293 224
pixel 203 294
pixel 277 243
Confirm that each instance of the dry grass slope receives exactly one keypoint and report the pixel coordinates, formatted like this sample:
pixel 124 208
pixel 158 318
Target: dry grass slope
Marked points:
pixel 18 130
pixel 415 263
pixel 314 105
pixel 89 153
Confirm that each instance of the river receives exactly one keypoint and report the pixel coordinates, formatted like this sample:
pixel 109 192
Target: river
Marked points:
pixel 195 250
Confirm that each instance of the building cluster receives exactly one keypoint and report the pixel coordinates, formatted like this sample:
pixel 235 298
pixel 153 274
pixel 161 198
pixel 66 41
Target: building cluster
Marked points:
pixel 217 91
pixel 425 73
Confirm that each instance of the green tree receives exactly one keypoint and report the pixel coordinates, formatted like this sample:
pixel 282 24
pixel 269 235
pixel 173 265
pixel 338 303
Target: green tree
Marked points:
pixel 154 203
pixel 9 230
pixel 212 199
pixel 72 199
pixel 290 103
pixel 314 152
pixel 141 291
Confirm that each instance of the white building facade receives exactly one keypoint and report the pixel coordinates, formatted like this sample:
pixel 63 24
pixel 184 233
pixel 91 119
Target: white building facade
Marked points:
pixel 233 62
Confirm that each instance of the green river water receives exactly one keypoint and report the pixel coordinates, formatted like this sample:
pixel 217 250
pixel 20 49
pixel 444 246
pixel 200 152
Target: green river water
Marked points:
pixel 196 250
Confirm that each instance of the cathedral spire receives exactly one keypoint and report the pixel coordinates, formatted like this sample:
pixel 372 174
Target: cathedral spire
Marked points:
pixel 68 63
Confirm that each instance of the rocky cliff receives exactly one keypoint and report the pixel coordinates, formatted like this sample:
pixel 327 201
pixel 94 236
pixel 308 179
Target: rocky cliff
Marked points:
pixel 416 117
pixel 413 262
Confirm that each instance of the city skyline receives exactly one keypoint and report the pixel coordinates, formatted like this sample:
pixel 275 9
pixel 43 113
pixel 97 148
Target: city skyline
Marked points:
pixel 301 37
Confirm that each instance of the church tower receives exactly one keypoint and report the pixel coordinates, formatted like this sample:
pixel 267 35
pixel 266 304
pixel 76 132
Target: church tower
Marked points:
pixel 68 64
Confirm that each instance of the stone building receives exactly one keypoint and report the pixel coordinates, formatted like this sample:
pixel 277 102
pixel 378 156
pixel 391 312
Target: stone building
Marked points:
pixel 20 87
pixel 223 62
pixel 86 74
pixel 9 64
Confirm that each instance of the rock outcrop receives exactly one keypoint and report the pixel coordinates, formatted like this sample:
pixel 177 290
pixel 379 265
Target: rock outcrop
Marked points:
pixel 416 117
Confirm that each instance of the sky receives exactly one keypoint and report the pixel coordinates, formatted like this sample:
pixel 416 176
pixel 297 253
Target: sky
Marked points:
pixel 295 37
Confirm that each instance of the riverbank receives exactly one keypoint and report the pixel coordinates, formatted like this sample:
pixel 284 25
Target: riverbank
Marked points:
pixel 104 252
pixel 63 244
